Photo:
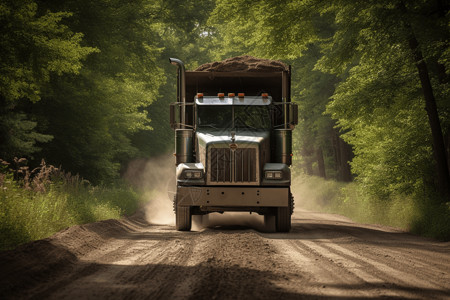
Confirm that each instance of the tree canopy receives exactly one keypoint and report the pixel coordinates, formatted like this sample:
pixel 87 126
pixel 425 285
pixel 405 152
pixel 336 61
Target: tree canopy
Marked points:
pixel 84 82
pixel 373 67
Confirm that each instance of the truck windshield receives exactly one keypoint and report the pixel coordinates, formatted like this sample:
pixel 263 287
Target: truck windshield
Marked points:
pixel 251 117
pixel 245 117
pixel 214 116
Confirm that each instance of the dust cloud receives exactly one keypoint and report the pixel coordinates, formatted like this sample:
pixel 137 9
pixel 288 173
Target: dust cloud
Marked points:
pixel 156 179
pixel 314 193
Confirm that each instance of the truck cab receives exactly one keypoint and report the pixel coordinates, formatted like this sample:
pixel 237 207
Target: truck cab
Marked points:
pixel 233 145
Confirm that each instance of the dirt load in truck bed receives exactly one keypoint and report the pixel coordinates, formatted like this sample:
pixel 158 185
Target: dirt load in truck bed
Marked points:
pixel 244 63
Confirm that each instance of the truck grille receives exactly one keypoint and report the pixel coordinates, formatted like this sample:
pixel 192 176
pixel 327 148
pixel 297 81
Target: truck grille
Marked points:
pixel 233 166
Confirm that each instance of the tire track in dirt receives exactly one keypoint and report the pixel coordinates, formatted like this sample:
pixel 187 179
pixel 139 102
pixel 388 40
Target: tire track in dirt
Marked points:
pixel 326 245
pixel 132 269
pixel 419 275
pixel 381 271
pixel 328 272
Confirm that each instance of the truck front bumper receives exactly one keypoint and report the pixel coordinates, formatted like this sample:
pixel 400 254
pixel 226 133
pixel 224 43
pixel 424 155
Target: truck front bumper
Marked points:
pixel 233 196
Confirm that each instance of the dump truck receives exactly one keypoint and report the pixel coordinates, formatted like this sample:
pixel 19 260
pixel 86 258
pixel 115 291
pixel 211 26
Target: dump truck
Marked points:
pixel 233 125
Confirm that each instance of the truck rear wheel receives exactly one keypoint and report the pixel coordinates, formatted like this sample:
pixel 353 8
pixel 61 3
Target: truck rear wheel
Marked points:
pixel 283 219
pixel 183 218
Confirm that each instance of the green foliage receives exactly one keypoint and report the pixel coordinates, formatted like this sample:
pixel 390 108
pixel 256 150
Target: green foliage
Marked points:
pixel 312 90
pixel 19 136
pixel 266 29
pixel 380 106
pixel 42 203
pixel 100 119
pixel 87 81
pixel 415 213
pixel 93 117
pixel 94 114
pixel 182 33
pixel 380 102
pixel 352 61
pixel 33 46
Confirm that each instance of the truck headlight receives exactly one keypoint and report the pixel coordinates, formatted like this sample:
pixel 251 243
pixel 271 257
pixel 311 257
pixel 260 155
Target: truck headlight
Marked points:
pixel 195 174
pixel 274 175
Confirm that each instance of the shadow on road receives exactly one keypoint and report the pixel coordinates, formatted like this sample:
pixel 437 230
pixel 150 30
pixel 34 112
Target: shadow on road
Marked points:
pixel 343 232
pixel 208 280
pixel 46 268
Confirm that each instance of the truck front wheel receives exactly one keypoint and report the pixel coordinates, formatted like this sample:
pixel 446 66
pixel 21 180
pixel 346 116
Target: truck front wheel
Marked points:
pixel 283 219
pixel 269 223
pixel 183 219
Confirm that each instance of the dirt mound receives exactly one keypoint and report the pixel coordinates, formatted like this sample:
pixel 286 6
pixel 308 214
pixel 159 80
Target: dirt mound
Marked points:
pixel 244 63
pixel 43 261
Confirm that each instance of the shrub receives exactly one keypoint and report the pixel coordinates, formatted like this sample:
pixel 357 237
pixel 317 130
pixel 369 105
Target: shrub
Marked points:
pixel 37 203
pixel 422 213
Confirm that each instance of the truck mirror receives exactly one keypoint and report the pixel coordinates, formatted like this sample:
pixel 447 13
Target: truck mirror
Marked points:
pixel 294 120
pixel 173 121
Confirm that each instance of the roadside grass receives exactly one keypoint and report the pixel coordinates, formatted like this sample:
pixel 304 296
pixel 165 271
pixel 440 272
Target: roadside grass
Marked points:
pixel 420 213
pixel 36 204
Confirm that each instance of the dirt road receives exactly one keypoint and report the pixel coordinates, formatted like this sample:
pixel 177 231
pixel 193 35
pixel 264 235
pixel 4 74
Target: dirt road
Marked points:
pixel 325 256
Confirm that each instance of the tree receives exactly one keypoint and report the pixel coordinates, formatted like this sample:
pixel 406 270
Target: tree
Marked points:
pixel 443 177
pixel 183 33
pixel 104 117
pixel 387 50
pixel 292 31
pixel 378 103
pixel 33 46
pixel 94 114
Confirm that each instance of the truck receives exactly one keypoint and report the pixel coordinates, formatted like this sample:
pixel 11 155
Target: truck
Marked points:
pixel 233 143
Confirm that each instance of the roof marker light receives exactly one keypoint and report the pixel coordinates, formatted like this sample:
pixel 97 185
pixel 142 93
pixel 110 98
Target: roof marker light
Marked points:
pixel 220 95
pixel 265 95
pixel 199 95
pixel 231 95
pixel 241 95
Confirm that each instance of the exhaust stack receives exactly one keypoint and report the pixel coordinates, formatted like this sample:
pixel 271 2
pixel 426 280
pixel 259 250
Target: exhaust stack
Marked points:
pixel 181 87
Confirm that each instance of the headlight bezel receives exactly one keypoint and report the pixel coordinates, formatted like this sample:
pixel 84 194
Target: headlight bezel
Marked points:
pixel 192 174
pixel 282 177
pixel 273 175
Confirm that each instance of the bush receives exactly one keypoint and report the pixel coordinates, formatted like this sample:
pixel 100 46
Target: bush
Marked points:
pixel 35 204
pixel 421 213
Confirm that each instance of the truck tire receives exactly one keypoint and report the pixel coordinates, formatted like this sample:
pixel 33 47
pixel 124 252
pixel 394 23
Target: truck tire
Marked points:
pixel 183 216
pixel 269 223
pixel 283 219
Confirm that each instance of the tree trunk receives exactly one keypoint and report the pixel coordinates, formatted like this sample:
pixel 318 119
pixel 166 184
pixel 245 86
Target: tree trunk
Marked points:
pixel 336 150
pixel 443 178
pixel 343 155
pixel 308 166
pixel 320 162
pixel 346 157
pixel 307 152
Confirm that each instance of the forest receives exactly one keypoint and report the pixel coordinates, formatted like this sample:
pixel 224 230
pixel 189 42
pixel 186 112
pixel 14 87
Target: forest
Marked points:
pixel 86 86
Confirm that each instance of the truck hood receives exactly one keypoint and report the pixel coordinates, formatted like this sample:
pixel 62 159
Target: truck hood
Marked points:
pixel 208 137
